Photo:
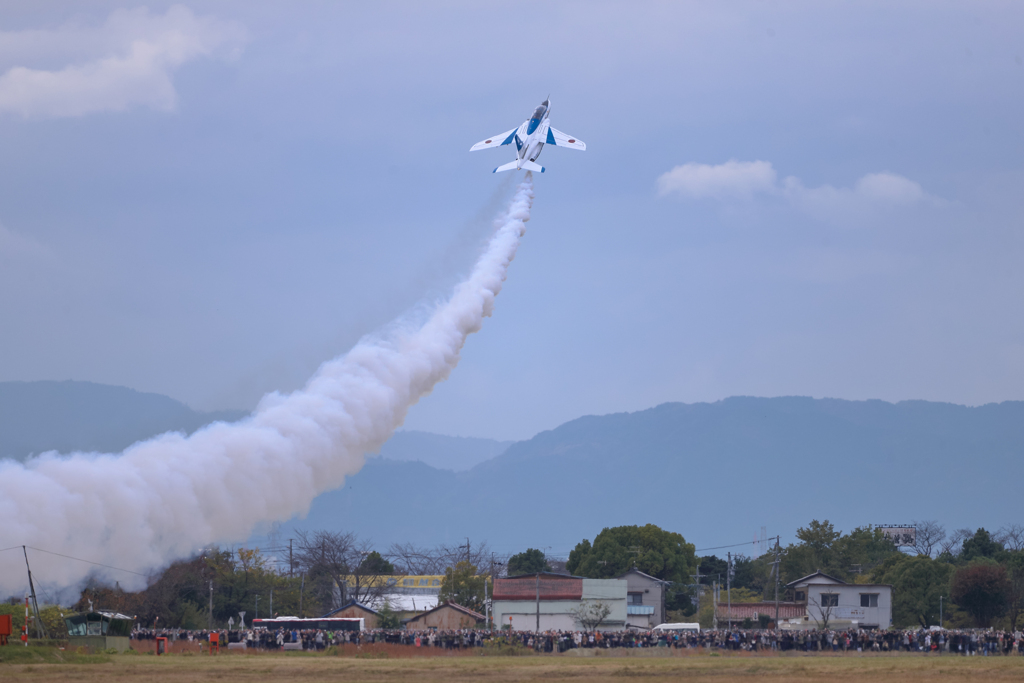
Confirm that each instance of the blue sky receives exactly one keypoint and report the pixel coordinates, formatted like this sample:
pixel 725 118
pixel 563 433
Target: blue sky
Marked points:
pixel 208 200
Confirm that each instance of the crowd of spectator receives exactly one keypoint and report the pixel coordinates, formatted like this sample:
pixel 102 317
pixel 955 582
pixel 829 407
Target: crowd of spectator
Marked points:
pixel 958 642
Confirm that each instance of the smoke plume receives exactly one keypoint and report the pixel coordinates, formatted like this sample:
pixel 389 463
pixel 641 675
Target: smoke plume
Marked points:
pixel 172 495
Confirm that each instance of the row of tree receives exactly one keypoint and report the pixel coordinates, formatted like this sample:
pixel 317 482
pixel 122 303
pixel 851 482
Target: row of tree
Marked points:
pixel 979 576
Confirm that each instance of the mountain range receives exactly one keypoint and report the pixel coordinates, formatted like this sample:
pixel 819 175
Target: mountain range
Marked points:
pixel 715 472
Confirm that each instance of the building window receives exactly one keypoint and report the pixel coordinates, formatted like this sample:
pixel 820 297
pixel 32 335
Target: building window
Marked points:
pixel 869 599
pixel 799 596
pixel 830 600
pixel 635 598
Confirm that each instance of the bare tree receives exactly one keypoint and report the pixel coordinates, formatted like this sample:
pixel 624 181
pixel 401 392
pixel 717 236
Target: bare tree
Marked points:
pixel 827 602
pixel 929 537
pixel 337 567
pixel 954 543
pixel 591 614
pixel 413 560
pixel 1011 536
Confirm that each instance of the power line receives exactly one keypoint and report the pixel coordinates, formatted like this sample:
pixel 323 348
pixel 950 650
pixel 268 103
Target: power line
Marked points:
pixel 719 547
pixel 79 559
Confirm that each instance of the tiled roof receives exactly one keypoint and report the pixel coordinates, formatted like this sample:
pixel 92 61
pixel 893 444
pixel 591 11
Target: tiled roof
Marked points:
pixel 552 587
pixel 744 610
pixel 452 605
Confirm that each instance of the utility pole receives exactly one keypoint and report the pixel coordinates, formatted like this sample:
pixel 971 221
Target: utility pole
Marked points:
pixel 40 631
pixel 467 549
pixel 698 576
pixel 302 589
pixel 291 562
pixel 271 602
pixel 728 588
pixel 776 570
pixel 940 610
pixel 257 608
pixel 538 603
pixel 487 606
pixel 209 621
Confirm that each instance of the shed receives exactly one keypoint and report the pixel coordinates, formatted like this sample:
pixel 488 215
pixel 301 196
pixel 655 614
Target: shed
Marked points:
pixel 100 630
pixel 357 610
pixel 448 616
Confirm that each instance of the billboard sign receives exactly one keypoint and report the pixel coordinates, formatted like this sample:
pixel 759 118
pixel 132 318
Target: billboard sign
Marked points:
pixel 901 536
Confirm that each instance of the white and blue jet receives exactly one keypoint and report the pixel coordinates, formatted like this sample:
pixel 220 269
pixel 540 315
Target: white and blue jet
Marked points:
pixel 530 138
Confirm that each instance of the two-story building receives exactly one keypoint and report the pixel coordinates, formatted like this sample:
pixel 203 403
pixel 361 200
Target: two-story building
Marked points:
pixel 833 603
pixel 645 599
pixel 553 602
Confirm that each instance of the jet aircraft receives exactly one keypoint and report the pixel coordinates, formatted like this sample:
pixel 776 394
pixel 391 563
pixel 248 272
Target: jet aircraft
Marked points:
pixel 530 138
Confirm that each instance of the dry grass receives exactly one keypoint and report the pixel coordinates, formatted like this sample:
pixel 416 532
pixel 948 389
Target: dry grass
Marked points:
pixel 375 665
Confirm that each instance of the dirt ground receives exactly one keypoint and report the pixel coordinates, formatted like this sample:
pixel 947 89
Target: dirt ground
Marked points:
pixel 380 666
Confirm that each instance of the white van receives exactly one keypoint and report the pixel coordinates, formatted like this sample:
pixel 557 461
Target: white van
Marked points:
pixel 687 627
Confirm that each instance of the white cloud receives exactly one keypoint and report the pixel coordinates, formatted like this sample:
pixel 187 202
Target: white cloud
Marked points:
pixel 732 179
pixel 744 179
pixel 126 62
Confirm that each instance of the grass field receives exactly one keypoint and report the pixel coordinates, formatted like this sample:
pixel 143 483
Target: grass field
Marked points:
pixel 39 664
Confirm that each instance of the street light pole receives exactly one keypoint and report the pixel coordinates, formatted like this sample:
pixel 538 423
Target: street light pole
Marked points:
pixel 940 610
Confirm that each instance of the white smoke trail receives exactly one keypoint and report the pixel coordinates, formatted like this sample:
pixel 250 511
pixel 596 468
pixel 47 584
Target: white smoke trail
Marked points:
pixel 167 497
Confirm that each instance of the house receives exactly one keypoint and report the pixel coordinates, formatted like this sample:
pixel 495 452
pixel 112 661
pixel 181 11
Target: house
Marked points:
pixel 355 610
pixel 645 599
pixel 833 603
pixel 447 616
pixel 553 602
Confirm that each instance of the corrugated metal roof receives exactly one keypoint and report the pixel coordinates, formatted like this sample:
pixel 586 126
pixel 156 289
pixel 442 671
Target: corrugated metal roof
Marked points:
pixel 751 610
pixel 552 587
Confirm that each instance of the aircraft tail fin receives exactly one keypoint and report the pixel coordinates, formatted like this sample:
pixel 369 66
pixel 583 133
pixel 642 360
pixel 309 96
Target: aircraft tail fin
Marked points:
pixel 525 164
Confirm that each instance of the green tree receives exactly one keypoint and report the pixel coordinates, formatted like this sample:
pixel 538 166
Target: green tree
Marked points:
pixel 529 561
pixel 917 582
pixel 463 586
pixel 388 618
pixel 824 549
pixel 1015 573
pixel 375 564
pixel 980 545
pixel 662 554
pixel 982 590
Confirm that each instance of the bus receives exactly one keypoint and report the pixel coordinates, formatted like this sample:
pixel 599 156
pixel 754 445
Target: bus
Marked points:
pixel 316 623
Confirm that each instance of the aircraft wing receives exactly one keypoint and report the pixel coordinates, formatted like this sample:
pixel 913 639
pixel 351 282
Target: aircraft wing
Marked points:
pixel 560 139
pixel 496 141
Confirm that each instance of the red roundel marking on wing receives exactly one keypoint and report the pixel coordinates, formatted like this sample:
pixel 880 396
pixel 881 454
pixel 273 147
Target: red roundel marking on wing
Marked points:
pixel 487 142
pixel 571 141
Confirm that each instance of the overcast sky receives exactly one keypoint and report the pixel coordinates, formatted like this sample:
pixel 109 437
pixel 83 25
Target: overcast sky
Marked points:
pixel 208 200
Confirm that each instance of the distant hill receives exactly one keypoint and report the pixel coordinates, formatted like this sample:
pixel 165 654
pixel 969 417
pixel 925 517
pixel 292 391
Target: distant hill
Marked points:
pixel 83 416
pixel 716 472
pixel 442 452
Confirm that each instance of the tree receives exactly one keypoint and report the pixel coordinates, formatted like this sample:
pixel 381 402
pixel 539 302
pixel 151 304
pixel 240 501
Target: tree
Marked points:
pixel 414 560
pixel 662 554
pixel 530 561
pixel 824 606
pixel 463 586
pixel 980 545
pixel 824 549
pixel 917 583
pixel 591 614
pixel 1011 537
pixel 982 590
pixel 1015 573
pixel 929 537
pixel 374 564
pixel 388 618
